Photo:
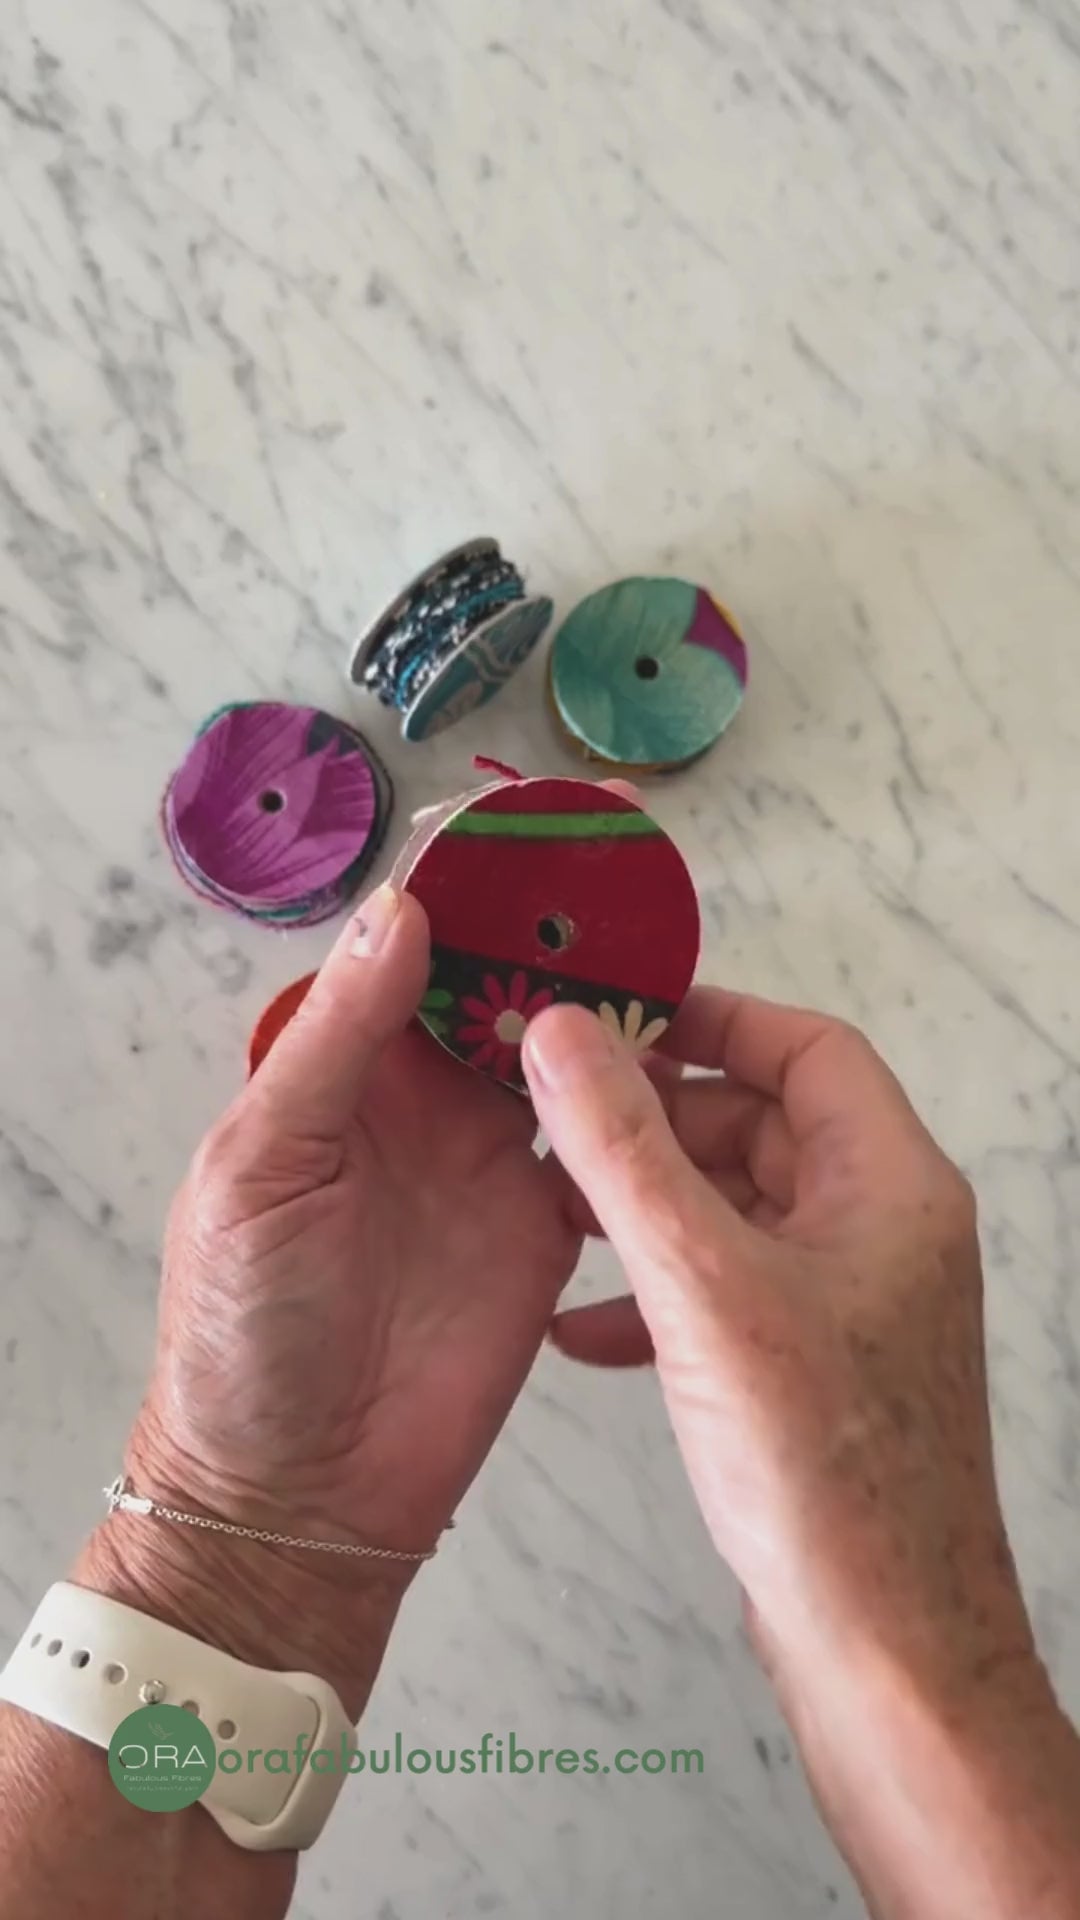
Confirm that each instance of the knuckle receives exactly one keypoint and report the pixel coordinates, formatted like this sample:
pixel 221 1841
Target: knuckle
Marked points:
pixel 845 1030
pixel 220 1152
pixel 854 1041
pixel 207 1163
pixel 628 1142
pixel 225 1172
pixel 309 1017
pixel 944 1215
pixel 627 1138
pixel 215 1226
pixel 646 1166
pixel 958 1204
pixel 851 1055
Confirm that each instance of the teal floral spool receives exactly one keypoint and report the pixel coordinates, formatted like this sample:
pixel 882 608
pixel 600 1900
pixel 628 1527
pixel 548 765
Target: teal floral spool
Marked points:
pixel 647 674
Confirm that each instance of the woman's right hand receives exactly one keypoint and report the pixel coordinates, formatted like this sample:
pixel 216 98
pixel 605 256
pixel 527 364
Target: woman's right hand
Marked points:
pixel 806 1268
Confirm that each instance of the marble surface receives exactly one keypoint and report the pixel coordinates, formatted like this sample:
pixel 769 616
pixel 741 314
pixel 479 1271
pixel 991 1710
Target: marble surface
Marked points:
pixel 781 296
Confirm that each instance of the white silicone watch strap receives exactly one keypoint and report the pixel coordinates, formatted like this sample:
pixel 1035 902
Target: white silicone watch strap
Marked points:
pixel 84 1658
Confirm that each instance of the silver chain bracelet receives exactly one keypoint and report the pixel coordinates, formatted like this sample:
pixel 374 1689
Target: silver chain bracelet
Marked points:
pixel 122 1498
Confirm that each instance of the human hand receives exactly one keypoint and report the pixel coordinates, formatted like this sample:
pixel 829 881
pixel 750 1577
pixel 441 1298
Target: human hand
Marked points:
pixel 358 1272
pixel 806 1269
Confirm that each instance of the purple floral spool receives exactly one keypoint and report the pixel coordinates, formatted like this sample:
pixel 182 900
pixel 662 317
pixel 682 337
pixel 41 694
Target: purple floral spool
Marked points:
pixel 277 812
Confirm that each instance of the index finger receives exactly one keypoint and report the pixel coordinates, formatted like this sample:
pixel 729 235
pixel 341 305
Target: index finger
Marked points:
pixel 818 1068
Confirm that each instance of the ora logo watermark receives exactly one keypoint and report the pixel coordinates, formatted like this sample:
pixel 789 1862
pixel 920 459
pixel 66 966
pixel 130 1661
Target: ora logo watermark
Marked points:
pixel 163 1758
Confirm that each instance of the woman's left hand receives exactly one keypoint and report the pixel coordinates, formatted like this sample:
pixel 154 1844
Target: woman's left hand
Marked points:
pixel 359 1271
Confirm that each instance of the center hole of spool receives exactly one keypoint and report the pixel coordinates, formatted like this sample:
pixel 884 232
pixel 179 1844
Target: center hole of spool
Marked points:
pixel 271 801
pixel 646 668
pixel 556 932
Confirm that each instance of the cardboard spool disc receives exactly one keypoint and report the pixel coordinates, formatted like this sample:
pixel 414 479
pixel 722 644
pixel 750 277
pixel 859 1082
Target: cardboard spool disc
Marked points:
pixel 539 892
pixel 548 891
pixel 276 812
pixel 646 674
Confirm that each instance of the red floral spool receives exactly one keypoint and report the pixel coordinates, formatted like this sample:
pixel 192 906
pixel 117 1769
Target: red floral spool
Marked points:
pixel 552 891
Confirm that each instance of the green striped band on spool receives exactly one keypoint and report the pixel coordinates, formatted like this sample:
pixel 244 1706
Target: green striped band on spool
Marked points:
pixel 553 826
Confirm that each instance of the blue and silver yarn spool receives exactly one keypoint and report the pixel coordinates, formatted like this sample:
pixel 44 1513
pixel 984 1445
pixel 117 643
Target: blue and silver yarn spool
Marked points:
pixel 451 640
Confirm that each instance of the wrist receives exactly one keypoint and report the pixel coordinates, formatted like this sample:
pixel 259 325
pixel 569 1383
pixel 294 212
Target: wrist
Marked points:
pixel 291 1609
pixel 950 1787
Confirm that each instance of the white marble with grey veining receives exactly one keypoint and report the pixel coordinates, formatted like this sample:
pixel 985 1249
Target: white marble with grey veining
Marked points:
pixel 782 295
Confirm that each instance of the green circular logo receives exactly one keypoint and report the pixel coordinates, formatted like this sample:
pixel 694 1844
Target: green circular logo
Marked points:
pixel 162 1758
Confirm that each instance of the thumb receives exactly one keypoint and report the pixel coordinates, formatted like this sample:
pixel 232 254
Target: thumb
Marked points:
pixel 607 1125
pixel 366 992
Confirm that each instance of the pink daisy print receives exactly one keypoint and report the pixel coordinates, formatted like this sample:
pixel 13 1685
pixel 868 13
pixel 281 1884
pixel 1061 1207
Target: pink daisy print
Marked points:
pixel 498 1022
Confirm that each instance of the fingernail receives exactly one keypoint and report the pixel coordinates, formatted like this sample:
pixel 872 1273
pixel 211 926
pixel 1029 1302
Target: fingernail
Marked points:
pixel 566 1044
pixel 374 921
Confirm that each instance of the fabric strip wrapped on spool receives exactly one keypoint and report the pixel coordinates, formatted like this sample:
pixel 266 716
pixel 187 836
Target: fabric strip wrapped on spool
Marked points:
pixel 451 640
